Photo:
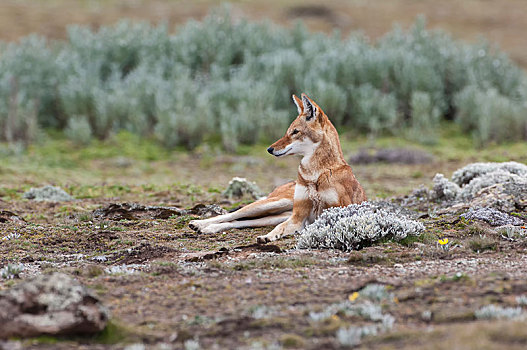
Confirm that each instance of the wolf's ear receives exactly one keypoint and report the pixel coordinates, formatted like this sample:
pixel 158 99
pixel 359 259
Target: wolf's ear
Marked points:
pixel 298 103
pixel 310 107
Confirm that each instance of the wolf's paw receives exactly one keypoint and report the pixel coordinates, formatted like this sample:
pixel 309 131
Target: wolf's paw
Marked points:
pixel 212 228
pixel 265 239
pixel 197 226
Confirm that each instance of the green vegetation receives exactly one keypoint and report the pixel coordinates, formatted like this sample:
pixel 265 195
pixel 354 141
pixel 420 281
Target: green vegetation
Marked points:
pixel 230 82
pixel 481 243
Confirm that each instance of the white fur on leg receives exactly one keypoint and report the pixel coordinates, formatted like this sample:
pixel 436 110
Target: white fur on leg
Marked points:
pixel 284 229
pixel 261 207
pixel 265 221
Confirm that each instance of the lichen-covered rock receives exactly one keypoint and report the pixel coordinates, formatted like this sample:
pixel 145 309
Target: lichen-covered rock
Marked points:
pixel 205 210
pixel 492 216
pixel 52 304
pixel 239 187
pixel 443 189
pixel 356 226
pixel 48 193
pixel 507 197
pixel 499 176
pixel 8 216
pixel 502 186
pixel 464 175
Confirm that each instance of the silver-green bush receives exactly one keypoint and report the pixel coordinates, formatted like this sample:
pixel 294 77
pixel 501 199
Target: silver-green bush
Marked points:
pixel 356 226
pixel 231 81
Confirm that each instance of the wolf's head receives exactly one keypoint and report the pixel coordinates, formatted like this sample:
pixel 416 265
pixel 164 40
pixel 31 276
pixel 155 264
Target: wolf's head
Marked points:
pixel 305 132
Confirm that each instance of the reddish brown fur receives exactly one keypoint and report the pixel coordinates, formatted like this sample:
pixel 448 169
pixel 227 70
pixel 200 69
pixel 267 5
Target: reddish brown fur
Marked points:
pixel 325 170
pixel 324 179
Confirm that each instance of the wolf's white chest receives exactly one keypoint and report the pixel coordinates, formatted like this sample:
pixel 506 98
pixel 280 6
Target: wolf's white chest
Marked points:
pixel 319 199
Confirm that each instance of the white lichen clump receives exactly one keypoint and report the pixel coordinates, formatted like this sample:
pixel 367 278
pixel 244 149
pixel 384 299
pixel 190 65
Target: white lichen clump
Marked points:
pixel 521 300
pixel 240 187
pixel 496 312
pixel 465 175
pixel 376 292
pixel 444 189
pixel 123 269
pixel 356 226
pixel 471 179
pixel 11 236
pixel 353 335
pixel 492 216
pixel 489 179
pixel 366 308
pixel 11 271
pixel 48 193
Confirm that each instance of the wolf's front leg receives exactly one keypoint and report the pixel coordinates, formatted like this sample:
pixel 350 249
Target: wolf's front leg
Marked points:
pixel 286 228
pixel 302 207
pixel 295 223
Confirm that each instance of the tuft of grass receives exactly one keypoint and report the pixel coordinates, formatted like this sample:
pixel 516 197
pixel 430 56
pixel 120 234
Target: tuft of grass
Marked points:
pixel 358 257
pixel 113 333
pixel 480 244
pixel 290 340
pixel 425 237
pixel 182 221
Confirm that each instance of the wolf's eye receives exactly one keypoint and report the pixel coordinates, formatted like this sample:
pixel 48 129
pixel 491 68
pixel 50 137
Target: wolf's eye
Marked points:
pixel 295 132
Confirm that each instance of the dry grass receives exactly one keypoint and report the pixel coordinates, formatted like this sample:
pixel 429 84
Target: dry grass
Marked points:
pixel 501 22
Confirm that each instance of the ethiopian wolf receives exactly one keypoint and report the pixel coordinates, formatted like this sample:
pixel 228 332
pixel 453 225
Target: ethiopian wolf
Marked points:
pixel 324 180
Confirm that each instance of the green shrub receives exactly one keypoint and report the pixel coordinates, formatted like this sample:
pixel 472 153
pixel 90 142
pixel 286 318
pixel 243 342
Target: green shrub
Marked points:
pixel 78 130
pixel 424 126
pixel 231 81
pixel 373 110
pixel 490 116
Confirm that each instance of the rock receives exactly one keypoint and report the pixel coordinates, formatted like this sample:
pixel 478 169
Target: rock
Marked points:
pixel 11 345
pixel 391 155
pixel 502 186
pixel 507 197
pixel 134 211
pixel 492 216
pixel 239 187
pixel 206 210
pixel 48 193
pixel 52 304
pixel 500 176
pixel 6 216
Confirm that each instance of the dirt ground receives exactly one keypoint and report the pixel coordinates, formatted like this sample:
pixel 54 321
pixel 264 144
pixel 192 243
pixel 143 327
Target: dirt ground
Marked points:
pixel 167 286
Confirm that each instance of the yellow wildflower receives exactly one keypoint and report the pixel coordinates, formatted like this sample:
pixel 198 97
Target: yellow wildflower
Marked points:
pixel 353 297
pixel 443 241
